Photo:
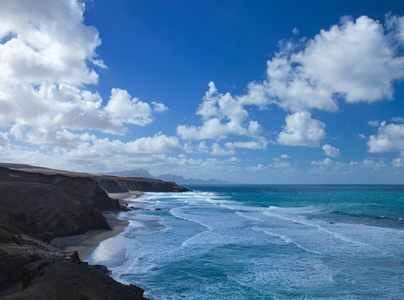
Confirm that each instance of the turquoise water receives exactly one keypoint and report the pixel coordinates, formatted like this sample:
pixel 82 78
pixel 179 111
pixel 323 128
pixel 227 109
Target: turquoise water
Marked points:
pixel 263 242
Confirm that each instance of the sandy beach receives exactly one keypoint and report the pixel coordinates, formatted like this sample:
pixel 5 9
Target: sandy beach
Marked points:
pixel 85 243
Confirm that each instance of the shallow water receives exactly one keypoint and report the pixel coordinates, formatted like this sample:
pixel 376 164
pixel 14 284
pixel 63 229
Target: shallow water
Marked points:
pixel 263 242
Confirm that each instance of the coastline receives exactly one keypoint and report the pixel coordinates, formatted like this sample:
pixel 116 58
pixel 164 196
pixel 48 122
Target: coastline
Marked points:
pixel 87 242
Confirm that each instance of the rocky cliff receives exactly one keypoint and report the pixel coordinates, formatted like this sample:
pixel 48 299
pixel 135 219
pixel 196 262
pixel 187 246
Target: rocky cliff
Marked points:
pixel 39 203
pixel 48 206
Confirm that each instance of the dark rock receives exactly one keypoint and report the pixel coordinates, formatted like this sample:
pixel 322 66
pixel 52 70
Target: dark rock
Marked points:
pixel 111 186
pixel 75 257
pixel 33 269
pixel 45 211
pixel 48 206
pixel 15 256
pixel 58 279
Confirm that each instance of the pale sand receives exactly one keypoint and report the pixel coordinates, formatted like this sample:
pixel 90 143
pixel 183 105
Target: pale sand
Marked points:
pixel 85 243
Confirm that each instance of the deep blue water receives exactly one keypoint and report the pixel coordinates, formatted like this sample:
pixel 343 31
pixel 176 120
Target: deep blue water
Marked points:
pixel 263 242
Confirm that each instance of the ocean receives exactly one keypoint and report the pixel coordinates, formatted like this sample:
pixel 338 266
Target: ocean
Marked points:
pixel 263 242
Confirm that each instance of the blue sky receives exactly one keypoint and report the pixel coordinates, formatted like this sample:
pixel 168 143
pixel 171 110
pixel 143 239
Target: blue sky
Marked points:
pixel 245 91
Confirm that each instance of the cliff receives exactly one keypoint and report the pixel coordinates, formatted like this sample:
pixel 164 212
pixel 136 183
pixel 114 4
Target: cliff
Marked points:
pixel 48 206
pixel 39 204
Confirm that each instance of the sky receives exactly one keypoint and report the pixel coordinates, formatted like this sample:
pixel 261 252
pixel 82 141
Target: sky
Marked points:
pixel 258 91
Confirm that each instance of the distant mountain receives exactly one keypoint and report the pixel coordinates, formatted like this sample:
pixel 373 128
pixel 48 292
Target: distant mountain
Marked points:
pixel 191 181
pixel 169 177
pixel 134 173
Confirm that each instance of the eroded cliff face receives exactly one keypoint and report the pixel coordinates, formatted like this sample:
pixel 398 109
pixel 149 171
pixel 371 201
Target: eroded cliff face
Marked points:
pixel 48 206
pixel 52 205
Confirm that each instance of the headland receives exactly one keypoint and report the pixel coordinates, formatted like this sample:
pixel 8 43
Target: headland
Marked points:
pixel 51 219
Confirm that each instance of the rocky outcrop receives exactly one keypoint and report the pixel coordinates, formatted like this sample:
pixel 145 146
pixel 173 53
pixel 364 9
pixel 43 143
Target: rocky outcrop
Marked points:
pixel 31 269
pixel 65 280
pixel 20 251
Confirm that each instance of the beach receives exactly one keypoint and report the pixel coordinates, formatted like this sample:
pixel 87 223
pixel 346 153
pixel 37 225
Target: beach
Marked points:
pixel 85 243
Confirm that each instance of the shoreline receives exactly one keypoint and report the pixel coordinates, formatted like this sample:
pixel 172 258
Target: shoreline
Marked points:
pixel 85 243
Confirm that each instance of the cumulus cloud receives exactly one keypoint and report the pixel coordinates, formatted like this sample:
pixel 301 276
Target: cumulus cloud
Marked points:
pixel 301 130
pixel 46 41
pixel 47 56
pixel 389 138
pixel 217 150
pixel 355 61
pixel 331 151
pixel 222 115
pixel 123 109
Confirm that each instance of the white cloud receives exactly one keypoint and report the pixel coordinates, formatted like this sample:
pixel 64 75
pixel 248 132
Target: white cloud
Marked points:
pixel 46 41
pixel 88 153
pixel 4 141
pixel 374 123
pixel 355 61
pixel 159 107
pixel 398 162
pixel 156 144
pixel 397 119
pixel 202 147
pixel 284 156
pixel 258 167
pixel 277 167
pixel 217 150
pixel 260 143
pixel 47 56
pixel 389 138
pixel 325 162
pixel 396 25
pixel 331 151
pixel 372 164
pixel 301 130
pixel 234 159
pixel 280 165
pixel 126 110
pixel 222 116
